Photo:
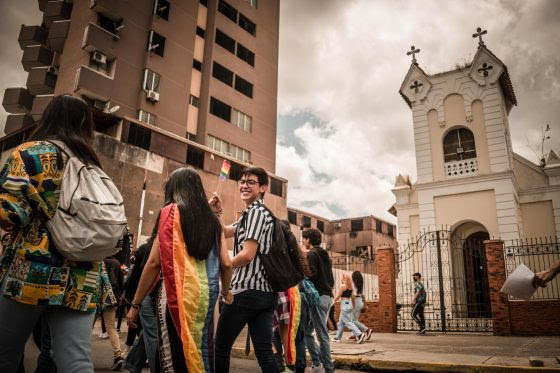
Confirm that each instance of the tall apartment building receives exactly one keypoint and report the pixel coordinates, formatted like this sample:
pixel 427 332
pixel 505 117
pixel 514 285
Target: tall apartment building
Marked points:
pixel 171 82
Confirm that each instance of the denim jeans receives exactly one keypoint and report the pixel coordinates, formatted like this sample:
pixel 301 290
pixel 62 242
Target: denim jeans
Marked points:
pixel 358 306
pixel 145 347
pixel 318 316
pixel 346 319
pixel 70 335
pixel 42 334
pixel 254 308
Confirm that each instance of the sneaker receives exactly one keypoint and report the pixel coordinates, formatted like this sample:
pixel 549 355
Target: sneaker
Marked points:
pixel 369 333
pixel 351 338
pixel 117 363
pixel 103 335
pixel 360 338
pixel 335 340
pixel 422 331
pixel 317 369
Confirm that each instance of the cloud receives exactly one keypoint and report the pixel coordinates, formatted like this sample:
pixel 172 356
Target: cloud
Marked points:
pixel 342 65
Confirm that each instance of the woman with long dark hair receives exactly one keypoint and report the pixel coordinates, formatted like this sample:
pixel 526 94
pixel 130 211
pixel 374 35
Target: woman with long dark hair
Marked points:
pixel 346 320
pixel 35 279
pixel 359 302
pixel 191 253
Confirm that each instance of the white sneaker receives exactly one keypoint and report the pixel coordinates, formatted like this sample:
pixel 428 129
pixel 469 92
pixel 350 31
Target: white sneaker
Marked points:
pixel 317 369
pixel 335 340
pixel 103 336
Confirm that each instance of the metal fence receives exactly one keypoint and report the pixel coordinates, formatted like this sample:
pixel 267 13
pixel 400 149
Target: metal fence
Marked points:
pixel 368 268
pixel 538 254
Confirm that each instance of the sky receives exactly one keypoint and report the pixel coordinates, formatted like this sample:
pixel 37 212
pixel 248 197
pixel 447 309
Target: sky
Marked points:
pixel 344 132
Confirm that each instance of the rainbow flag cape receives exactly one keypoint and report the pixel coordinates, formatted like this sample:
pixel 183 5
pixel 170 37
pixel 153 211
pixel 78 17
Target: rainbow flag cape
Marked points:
pixel 224 173
pixel 295 315
pixel 186 301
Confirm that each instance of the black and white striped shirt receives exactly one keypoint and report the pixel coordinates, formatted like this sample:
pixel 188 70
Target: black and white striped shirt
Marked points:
pixel 258 224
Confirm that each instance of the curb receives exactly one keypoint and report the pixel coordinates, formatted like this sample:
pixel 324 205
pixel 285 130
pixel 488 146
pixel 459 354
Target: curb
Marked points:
pixel 370 363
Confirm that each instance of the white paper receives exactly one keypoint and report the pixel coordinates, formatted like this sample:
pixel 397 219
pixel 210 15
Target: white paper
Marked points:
pixel 520 283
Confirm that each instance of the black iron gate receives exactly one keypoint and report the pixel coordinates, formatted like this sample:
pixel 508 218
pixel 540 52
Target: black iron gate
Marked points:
pixel 455 277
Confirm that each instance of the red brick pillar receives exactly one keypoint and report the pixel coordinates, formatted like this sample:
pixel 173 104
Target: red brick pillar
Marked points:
pixel 496 278
pixel 385 258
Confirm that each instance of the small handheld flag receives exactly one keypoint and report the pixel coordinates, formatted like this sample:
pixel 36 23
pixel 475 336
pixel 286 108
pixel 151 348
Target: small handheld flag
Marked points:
pixel 224 173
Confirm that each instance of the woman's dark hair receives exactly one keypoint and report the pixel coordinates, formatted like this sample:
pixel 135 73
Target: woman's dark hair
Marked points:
pixel 358 280
pixel 199 224
pixel 313 235
pixel 68 119
pixel 155 229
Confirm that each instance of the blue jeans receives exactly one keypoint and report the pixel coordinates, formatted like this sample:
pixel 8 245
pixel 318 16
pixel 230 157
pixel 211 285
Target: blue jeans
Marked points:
pixel 318 316
pixel 358 306
pixel 145 347
pixel 70 335
pixel 254 308
pixel 346 319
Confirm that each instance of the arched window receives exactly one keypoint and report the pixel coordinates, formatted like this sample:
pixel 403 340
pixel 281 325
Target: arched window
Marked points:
pixel 458 145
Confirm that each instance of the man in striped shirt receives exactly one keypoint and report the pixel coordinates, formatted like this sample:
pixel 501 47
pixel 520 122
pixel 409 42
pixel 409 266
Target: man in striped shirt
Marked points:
pixel 254 301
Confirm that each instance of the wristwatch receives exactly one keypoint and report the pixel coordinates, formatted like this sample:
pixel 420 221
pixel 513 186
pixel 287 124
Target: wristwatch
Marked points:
pixel 134 305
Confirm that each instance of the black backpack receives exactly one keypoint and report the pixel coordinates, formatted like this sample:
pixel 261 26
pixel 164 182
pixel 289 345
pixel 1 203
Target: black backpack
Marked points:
pixel 282 263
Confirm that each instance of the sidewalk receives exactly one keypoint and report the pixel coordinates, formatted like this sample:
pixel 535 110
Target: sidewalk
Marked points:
pixel 436 352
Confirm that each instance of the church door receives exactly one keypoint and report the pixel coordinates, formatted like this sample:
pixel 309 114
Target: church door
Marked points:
pixel 476 276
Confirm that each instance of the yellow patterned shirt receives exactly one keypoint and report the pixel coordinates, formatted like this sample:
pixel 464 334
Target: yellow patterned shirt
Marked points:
pixel 35 273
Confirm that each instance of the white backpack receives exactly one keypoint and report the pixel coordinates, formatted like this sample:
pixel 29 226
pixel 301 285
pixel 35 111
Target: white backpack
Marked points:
pixel 90 218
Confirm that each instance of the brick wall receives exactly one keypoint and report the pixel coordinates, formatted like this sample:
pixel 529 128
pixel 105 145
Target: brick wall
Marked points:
pixel 535 317
pixel 496 278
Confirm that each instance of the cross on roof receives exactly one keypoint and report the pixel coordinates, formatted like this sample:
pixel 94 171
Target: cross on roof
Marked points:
pixel 479 33
pixel 416 86
pixel 413 52
pixel 485 69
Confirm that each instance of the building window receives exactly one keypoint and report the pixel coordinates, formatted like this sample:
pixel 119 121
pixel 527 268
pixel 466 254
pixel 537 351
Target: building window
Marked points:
pixel 161 9
pixel 356 225
pixel 292 217
pixel 217 144
pixel 225 41
pixel 151 81
pixel 108 24
pixel 247 25
pixel 146 117
pixel 197 65
pixel 321 226
pixel 235 171
pixel 195 157
pixel 193 100
pixel 156 43
pixel 378 226
pixel 241 120
pixel 390 230
pixel 227 10
pixel 240 153
pixel 306 221
pixel 223 74
pixel 245 54
pixel 243 86
pixel 458 145
pixel 276 187
pixel 253 3
pixel 139 136
pixel 220 109
pixel 200 31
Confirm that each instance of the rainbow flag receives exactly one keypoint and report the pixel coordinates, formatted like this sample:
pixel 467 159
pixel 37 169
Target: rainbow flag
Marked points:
pixel 224 173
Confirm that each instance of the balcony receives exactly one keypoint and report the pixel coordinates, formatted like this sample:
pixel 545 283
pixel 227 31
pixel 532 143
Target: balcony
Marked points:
pixel 42 5
pixel 57 35
pixel 107 8
pixel 56 11
pixel 41 81
pixel 39 105
pixel 93 84
pixel 99 39
pixel 36 56
pixel 17 100
pixel 32 35
pixel 16 121
pixel 467 167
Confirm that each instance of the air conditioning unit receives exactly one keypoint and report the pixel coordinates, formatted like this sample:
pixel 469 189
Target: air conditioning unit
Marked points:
pixel 152 96
pixel 52 70
pixel 101 105
pixel 337 225
pixel 99 57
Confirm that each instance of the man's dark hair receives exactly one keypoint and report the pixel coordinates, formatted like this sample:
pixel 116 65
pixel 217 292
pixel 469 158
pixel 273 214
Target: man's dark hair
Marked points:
pixel 313 235
pixel 259 172
pixel 417 274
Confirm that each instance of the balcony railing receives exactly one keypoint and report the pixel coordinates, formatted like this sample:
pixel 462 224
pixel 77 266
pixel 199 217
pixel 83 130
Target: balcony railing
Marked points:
pixel 32 35
pixel 36 56
pixel 16 121
pixel 467 167
pixel 56 11
pixel 17 100
pixel 57 35
pixel 41 81
pixel 93 84
pixel 99 39
pixel 108 8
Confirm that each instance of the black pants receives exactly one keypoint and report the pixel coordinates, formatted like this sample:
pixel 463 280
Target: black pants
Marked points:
pixel 332 319
pixel 254 308
pixel 418 315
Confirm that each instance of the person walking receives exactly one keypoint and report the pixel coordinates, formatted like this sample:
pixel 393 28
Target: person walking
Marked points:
pixel 419 303
pixel 346 318
pixel 191 253
pixel 359 305
pixel 35 278
pixel 116 280
pixel 254 300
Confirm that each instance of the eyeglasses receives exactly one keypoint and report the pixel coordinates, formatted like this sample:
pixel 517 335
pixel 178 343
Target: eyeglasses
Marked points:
pixel 249 183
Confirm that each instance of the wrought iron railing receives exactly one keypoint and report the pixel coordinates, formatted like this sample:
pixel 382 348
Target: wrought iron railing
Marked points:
pixel 467 167
pixel 538 254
